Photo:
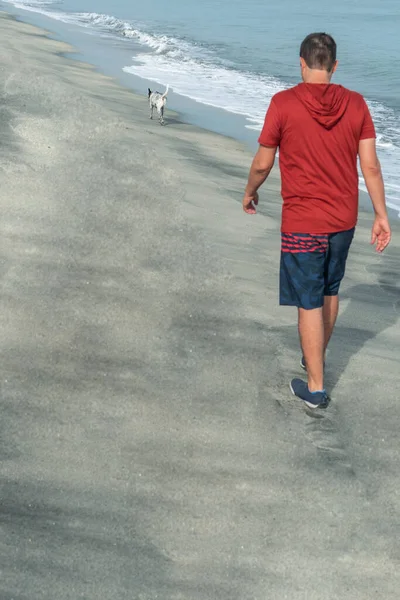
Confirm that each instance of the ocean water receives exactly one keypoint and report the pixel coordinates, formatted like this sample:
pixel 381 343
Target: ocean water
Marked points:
pixel 235 54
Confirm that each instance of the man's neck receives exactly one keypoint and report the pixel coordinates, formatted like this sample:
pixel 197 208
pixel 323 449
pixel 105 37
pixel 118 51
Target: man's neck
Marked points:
pixel 317 76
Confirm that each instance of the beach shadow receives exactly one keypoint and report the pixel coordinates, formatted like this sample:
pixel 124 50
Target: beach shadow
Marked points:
pixel 8 143
pixel 372 309
pixel 174 121
pixel 91 540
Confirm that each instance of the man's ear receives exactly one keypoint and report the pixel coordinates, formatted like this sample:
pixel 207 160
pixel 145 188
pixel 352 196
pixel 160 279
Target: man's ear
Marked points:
pixel 335 66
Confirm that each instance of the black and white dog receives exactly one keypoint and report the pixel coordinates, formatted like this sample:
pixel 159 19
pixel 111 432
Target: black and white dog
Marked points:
pixel 157 101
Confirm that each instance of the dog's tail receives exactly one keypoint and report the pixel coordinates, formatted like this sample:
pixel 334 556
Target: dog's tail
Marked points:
pixel 148 92
pixel 166 92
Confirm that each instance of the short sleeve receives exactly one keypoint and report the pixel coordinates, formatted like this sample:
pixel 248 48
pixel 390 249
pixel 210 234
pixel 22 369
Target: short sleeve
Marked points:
pixel 367 129
pixel 271 132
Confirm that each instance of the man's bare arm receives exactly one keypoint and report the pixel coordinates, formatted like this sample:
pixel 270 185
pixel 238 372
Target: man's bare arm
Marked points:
pixel 260 169
pixel 371 170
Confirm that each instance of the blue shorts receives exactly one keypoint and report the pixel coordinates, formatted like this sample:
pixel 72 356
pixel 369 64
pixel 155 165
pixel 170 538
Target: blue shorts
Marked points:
pixel 312 266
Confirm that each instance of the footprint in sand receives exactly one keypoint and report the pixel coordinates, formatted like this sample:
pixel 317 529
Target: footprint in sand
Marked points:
pixel 324 431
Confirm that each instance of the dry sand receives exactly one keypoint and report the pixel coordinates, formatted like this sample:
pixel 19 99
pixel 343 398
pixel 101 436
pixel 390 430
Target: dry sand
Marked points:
pixel 150 448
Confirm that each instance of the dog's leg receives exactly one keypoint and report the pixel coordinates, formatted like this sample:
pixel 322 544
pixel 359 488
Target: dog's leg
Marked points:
pixel 162 115
pixel 149 92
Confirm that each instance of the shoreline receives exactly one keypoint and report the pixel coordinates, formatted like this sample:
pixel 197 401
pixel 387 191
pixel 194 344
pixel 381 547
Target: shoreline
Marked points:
pixel 150 446
pixel 218 120
pixel 207 117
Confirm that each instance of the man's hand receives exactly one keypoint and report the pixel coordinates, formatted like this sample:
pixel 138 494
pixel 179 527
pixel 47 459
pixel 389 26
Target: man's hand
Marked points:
pixel 250 203
pixel 381 233
pixel 259 171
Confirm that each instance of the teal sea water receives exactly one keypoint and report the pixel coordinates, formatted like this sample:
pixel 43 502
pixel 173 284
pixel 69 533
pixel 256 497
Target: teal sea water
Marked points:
pixel 235 54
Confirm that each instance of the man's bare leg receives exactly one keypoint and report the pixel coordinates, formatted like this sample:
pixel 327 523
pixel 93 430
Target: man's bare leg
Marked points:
pixel 312 339
pixel 330 312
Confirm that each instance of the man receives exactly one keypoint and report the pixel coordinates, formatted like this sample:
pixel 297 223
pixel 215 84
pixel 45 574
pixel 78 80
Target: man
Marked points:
pixel 320 129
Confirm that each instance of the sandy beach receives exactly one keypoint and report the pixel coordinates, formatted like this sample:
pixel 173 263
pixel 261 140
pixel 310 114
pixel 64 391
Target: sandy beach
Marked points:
pixel 149 445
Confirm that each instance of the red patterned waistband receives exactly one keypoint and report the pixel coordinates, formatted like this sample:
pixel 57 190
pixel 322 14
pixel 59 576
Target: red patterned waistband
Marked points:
pixel 304 242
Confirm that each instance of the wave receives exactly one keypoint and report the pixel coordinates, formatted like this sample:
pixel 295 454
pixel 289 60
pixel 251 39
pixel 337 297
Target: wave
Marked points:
pixel 158 43
pixel 40 6
pixel 33 3
pixel 210 84
pixel 108 24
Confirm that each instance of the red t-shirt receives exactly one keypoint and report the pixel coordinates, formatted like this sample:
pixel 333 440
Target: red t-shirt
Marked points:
pixel 318 128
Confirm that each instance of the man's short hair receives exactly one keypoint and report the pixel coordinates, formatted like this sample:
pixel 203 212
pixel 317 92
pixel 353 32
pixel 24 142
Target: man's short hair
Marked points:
pixel 319 51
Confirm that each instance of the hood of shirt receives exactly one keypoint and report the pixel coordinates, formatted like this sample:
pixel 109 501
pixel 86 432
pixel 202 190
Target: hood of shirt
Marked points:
pixel 326 102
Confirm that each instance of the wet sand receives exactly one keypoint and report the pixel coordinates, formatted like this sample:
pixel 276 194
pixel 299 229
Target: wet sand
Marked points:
pixel 149 445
